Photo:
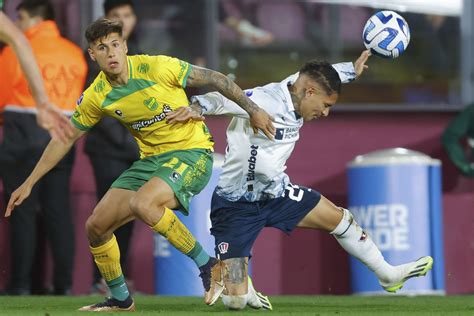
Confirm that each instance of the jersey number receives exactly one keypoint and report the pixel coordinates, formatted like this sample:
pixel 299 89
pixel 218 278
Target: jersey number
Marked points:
pixel 294 192
pixel 173 163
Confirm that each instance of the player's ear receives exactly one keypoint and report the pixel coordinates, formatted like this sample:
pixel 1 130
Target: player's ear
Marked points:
pixel 91 53
pixel 125 45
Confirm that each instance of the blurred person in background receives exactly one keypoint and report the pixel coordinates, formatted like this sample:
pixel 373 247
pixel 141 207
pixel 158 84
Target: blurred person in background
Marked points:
pixel 109 145
pixel 188 30
pixel 63 68
pixel 460 129
pixel 48 116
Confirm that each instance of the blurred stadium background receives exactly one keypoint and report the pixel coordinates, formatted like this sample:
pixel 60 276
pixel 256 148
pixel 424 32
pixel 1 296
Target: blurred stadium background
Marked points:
pixel 405 102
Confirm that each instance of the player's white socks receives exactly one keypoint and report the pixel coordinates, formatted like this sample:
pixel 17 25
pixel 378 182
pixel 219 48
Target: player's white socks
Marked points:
pixel 357 243
pixel 235 301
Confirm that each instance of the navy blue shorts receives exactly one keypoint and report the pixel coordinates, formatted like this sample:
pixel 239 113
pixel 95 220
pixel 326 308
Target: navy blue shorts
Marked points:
pixel 236 225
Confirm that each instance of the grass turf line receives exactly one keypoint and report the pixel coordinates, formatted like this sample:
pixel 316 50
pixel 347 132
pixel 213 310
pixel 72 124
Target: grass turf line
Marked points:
pixel 282 305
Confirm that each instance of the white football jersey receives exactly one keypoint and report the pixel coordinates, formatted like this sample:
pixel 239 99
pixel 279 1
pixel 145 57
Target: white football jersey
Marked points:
pixel 254 166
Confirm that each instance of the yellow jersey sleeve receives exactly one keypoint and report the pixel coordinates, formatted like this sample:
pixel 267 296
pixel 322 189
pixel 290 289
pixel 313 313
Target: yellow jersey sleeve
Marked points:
pixel 87 112
pixel 172 71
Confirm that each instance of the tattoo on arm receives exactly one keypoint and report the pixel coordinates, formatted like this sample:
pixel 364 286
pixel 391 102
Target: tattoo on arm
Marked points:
pixel 199 77
pixel 237 271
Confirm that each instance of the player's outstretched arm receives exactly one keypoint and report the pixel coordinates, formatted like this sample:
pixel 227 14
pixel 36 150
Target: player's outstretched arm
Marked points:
pixel 58 125
pixel 359 64
pixel 49 117
pixel 52 154
pixel 259 119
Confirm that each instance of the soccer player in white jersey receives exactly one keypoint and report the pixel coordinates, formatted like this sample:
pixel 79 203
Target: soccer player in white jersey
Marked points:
pixel 253 178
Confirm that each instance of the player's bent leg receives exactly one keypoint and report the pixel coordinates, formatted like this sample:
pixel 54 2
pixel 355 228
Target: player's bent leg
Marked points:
pixel 325 216
pixel 239 290
pixel 152 204
pixel 340 223
pixel 235 296
pixel 111 212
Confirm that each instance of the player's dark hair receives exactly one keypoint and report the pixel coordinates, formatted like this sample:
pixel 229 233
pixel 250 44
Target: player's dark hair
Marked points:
pixel 41 8
pixel 102 28
pixel 324 74
pixel 109 5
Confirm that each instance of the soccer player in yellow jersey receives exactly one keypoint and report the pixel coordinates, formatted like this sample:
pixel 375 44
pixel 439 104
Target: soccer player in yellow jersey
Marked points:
pixel 176 160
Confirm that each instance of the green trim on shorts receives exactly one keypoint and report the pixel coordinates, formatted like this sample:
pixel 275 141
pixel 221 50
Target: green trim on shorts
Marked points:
pixel 187 172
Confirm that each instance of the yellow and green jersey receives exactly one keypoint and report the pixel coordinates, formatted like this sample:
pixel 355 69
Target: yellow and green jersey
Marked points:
pixel 155 86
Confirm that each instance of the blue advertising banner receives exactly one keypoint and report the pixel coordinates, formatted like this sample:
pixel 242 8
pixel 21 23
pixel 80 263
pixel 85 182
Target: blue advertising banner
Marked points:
pixel 399 206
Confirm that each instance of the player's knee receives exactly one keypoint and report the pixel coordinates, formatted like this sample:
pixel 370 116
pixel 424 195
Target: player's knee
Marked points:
pixel 93 228
pixel 139 205
pixel 235 301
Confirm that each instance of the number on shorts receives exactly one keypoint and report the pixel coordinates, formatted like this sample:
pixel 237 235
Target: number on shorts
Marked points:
pixel 173 163
pixel 294 192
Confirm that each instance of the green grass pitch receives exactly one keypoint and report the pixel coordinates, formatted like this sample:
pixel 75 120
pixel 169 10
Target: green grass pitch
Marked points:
pixel 282 305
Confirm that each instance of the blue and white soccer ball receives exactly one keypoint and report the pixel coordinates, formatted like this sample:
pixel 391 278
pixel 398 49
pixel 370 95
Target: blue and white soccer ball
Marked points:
pixel 386 34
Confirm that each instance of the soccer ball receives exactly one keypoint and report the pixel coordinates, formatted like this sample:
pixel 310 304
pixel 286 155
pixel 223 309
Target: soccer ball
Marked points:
pixel 386 34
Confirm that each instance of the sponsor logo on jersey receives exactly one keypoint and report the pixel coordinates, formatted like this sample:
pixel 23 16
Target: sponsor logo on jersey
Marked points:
pixel 119 113
pixel 251 168
pixel 248 93
pixel 174 176
pixel 223 247
pixel 157 118
pixel 286 133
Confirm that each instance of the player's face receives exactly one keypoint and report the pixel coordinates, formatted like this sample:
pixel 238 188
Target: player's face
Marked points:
pixel 25 21
pixel 110 53
pixel 316 103
pixel 126 15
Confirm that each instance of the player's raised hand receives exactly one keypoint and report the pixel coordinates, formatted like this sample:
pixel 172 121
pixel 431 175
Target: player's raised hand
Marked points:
pixel 359 64
pixel 17 197
pixel 261 120
pixel 55 122
pixel 184 114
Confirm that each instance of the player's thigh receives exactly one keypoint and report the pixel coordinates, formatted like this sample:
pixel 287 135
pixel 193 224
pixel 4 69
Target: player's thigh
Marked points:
pixel 112 211
pixel 325 215
pixel 236 276
pixel 171 179
pixel 156 191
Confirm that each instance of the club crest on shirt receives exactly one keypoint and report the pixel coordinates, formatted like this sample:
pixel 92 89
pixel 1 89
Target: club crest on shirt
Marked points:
pixel 151 103
pixel 223 247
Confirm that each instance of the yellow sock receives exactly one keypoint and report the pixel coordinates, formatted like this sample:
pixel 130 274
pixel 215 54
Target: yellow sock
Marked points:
pixel 174 230
pixel 107 258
